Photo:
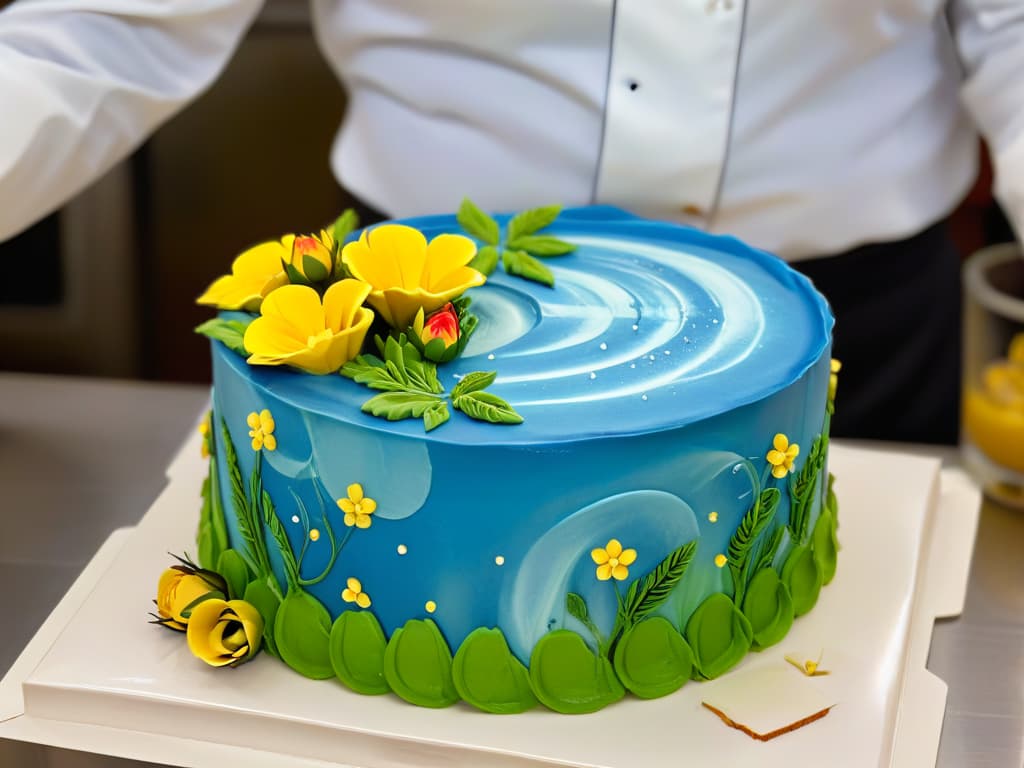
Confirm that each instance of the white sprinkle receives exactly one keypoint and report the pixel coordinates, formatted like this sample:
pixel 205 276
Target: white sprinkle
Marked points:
pixel 295 518
pixel 632 365
pixel 499 560
pixel 593 375
pixel 603 345
pixel 686 339
pixel 490 356
pixel 643 397
pixel 402 549
pixel 651 357
pixel 668 351
pixel 715 321
pixel 636 327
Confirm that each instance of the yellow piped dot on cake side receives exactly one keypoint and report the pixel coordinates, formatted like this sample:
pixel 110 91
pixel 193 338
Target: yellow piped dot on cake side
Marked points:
pixel 713 517
pixel 402 549
pixel 353 593
pixel 721 560
pixel 430 606
pixel 314 535
pixel 499 560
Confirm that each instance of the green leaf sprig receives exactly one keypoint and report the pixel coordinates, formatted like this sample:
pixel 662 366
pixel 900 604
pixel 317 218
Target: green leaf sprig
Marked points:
pixel 230 332
pixel 410 388
pixel 522 246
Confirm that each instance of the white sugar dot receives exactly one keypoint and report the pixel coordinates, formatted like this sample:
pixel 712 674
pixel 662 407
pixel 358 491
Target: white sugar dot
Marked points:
pixel 643 397
pixel 499 560
pixel 668 351
pixel 402 549
pixel 650 357
pixel 295 518
pixel 636 327
pixel 686 339
pixel 490 356
pixel 715 321
pixel 593 375
pixel 603 345
pixel 632 365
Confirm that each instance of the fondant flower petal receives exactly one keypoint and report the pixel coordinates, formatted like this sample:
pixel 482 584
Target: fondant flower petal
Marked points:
pixel 363 600
pixel 779 471
pixel 599 555
pixel 445 254
pixel 347 506
pixel 404 249
pixel 628 556
pixel 775 458
pixel 354 584
pixel 457 281
pixel 342 301
pixel 780 442
pixel 369 506
pixel 620 572
pixel 298 307
pixel 355 492
pixel 604 572
pixel 614 548
pixel 363 521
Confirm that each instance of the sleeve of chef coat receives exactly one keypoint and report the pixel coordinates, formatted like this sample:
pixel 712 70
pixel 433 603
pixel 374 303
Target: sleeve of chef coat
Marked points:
pixel 83 82
pixel 990 38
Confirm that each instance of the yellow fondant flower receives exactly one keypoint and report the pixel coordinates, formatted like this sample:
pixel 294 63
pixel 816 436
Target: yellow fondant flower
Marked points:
pixel 357 507
pixel 204 430
pixel 179 587
pixel 353 593
pixel 720 560
pixel 312 256
pixel 612 560
pixel 261 430
pixel 833 378
pixel 254 274
pixel 296 329
pixel 407 274
pixel 224 632
pixel 781 456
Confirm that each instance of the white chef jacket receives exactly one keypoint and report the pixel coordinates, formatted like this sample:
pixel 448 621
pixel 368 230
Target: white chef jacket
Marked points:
pixel 804 128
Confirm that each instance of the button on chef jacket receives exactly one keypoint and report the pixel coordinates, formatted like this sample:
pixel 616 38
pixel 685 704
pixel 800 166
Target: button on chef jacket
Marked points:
pixel 803 128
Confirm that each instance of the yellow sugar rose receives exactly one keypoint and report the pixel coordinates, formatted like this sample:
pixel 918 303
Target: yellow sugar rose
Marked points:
pixel 408 274
pixel 224 632
pixel 254 273
pixel 181 586
pixel 296 329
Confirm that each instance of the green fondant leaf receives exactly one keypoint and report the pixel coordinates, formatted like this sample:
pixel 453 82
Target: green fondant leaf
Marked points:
pixel 315 271
pixel 343 226
pixel 302 631
pixel 218 522
pixel 264 599
pixel 357 646
pixel 769 608
pixel 825 545
pixel 204 536
pixel 522 264
pixel 395 406
pixel 489 677
pixel 770 546
pixel 229 332
pixel 232 567
pixel 477 223
pixel 248 525
pixel 418 665
pixel 486 260
pixel 291 565
pixel 652 659
pixel 532 220
pixel 751 526
pixel 473 382
pixel 802 577
pixel 485 406
pixel 436 415
pixel 295 277
pixel 371 372
pixel 541 245
pixel 719 635
pixel 802 490
pixel 659 583
pixel 570 678
pixel 577 607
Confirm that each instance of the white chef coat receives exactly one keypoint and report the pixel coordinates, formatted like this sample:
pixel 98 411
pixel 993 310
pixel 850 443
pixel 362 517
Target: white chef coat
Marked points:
pixel 804 128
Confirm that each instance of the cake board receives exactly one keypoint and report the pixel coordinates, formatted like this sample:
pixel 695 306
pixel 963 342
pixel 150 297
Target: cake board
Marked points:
pixel 96 679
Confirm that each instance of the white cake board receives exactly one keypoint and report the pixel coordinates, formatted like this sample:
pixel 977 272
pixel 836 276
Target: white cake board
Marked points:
pixel 98 678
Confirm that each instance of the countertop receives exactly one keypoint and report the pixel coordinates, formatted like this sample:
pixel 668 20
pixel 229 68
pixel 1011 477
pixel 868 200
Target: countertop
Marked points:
pixel 81 457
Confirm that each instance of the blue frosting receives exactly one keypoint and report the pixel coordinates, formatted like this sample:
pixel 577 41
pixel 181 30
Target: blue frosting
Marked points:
pixel 494 524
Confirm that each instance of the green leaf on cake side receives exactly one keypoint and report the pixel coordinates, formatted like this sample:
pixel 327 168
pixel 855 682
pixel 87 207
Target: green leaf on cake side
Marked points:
pixel 473 382
pixel 802 487
pixel 486 260
pixel 396 406
pixel 485 406
pixel 356 648
pixel 479 224
pixel 768 607
pixel 767 548
pixel 568 677
pixel 236 573
pixel 802 576
pixel 719 636
pixel 249 526
pixel 577 608
pixel 532 220
pixel 418 665
pixel 489 677
pixel 825 545
pixel 754 522
pixel 647 595
pixel 652 659
pixel 265 599
pixel 229 332
pixel 522 264
pixel 302 630
pixel 435 416
pixel 541 245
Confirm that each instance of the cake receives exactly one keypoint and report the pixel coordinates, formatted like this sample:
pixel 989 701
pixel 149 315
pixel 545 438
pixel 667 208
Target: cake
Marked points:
pixel 638 498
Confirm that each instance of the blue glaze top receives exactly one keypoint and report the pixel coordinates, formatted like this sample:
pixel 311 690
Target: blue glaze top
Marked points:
pixel 650 326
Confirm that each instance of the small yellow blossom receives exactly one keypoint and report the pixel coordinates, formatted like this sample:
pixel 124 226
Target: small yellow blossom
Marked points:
pixel 297 328
pixel 408 274
pixel 254 274
pixel 612 560
pixel 204 430
pixel 782 455
pixel 357 507
pixel 808 667
pixel 261 430
pixel 353 593
pixel 713 517
pixel 833 379
pixel 721 560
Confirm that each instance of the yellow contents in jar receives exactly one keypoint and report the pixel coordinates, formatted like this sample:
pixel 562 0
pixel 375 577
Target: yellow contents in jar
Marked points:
pixel 994 411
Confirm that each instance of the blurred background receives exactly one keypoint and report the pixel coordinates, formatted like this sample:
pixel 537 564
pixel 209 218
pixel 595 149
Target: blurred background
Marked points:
pixel 105 286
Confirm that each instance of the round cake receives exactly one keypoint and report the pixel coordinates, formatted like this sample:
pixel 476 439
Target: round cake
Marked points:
pixel 659 504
